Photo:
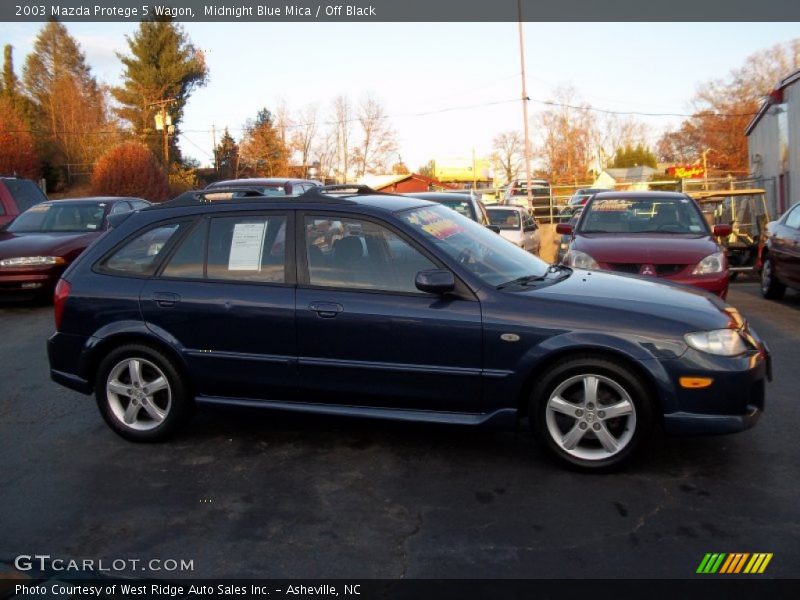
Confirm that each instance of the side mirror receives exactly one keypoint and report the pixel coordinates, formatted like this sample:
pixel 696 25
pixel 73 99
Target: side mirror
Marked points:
pixel 564 229
pixel 722 230
pixel 494 228
pixel 435 281
pixel 529 228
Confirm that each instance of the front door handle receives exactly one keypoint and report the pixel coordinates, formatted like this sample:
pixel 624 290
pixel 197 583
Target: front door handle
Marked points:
pixel 166 299
pixel 326 310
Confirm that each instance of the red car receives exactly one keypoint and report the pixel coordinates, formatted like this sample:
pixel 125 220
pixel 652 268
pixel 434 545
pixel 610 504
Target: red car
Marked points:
pixel 651 234
pixel 40 243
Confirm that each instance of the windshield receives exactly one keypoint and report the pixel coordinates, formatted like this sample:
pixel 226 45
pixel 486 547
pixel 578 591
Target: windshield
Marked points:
pixel 462 207
pixel 490 257
pixel 642 215
pixel 504 218
pixel 65 216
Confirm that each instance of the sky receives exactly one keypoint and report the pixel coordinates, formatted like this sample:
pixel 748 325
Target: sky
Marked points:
pixel 449 88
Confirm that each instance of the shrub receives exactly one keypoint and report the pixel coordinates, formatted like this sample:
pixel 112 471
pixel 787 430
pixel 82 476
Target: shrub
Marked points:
pixel 130 169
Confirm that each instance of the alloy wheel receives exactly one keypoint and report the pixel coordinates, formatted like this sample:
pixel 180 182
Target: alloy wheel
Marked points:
pixel 138 393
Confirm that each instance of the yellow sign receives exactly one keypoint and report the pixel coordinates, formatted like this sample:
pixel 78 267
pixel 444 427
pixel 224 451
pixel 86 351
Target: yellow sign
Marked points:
pixel 463 171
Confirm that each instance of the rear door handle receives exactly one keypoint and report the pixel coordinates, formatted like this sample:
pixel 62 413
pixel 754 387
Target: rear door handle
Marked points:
pixel 326 310
pixel 166 299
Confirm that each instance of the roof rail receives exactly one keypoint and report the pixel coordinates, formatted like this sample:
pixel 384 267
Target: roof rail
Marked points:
pixel 342 188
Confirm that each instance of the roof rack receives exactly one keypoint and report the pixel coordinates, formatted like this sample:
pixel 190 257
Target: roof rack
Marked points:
pixel 246 194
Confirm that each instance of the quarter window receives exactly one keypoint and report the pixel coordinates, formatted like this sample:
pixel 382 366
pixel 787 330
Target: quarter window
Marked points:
pixel 141 255
pixel 355 254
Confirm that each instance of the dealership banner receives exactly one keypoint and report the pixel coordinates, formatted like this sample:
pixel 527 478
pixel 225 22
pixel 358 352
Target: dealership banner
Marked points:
pixel 401 11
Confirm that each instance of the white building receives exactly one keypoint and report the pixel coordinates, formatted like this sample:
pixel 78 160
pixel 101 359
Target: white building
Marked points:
pixel 773 143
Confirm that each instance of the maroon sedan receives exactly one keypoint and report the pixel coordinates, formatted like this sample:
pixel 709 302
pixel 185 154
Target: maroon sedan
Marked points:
pixel 652 234
pixel 40 243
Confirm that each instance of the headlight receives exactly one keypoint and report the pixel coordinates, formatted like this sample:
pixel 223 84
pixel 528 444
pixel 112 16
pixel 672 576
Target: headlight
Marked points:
pixel 722 342
pixel 31 261
pixel 580 260
pixel 713 263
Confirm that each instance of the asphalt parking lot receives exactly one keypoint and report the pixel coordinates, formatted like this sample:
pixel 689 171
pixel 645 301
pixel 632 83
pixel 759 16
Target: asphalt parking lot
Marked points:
pixel 256 494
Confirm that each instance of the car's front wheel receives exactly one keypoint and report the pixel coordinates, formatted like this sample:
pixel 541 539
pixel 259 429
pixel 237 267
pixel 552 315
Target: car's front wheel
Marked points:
pixel 140 393
pixel 591 413
pixel 771 288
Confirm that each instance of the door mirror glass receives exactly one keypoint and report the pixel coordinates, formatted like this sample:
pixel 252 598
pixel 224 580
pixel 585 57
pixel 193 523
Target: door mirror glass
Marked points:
pixel 435 281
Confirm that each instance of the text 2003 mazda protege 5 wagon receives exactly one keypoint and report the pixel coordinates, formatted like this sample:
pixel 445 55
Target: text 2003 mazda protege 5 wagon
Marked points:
pixel 385 306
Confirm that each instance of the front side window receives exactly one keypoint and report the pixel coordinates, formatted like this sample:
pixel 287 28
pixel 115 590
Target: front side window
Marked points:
pixel 141 255
pixel 356 254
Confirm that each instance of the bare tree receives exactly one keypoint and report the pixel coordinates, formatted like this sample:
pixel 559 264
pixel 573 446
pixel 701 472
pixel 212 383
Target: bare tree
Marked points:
pixel 615 132
pixel 325 151
pixel 568 132
pixel 283 122
pixel 343 117
pixel 303 136
pixel 378 139
pixel 507 148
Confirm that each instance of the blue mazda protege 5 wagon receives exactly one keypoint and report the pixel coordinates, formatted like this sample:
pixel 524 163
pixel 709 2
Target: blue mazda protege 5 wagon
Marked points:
pixel 364 304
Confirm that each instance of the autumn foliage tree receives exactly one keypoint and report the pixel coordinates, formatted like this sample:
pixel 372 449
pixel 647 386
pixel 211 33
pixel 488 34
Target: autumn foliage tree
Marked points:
pixel 261 149
pixel 130 169
pixel 568 131
pixel 722 110
pixel 17 150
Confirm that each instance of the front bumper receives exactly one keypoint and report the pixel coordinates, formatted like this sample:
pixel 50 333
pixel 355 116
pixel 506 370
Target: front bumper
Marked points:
pixel 14 282
pixel 733 402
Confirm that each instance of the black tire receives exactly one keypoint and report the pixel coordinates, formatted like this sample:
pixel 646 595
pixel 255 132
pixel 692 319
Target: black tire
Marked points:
pixel 771 288
pixel 612 376
pixel 155 416
pixel 733 276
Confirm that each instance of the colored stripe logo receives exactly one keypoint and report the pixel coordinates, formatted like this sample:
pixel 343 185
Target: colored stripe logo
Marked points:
pixel 734 563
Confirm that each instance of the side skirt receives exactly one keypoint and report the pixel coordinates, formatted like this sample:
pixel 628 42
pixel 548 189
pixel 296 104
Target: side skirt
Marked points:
pixel 505 418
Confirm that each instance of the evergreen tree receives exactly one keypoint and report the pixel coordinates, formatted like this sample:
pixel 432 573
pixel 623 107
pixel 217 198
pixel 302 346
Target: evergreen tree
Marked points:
pixel 633 156
pixel 227 155
pixel 69 107
pixel 162 65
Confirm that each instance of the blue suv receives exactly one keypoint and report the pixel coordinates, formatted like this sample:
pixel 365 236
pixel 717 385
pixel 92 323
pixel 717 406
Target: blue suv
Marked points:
pixel 377 305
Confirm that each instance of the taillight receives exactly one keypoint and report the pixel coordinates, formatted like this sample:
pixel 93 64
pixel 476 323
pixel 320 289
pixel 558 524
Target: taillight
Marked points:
pixel 60 296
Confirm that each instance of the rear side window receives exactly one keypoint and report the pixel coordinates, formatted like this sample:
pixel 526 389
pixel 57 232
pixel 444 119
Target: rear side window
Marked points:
pixel 244 248
pixel 25 193
pixel 140 256
pixel 247 249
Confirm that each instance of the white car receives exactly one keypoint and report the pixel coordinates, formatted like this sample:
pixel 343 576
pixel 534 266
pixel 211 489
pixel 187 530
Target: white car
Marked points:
pixel 516 225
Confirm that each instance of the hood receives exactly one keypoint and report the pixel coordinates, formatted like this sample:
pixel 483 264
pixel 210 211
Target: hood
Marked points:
pixel 632 302
pixel 66 244
pixel 643 248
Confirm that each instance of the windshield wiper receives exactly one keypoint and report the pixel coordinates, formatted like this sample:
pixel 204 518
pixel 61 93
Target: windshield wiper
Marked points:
pixel 524 280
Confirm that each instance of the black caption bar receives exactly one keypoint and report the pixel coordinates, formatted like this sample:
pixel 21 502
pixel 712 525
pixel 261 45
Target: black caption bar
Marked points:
pixel 402 10
pixel 129 589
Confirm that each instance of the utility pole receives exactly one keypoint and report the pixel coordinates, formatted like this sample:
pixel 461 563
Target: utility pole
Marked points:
pixel 525 100
pixel 705 168
pixel 164 124
pixel 214 141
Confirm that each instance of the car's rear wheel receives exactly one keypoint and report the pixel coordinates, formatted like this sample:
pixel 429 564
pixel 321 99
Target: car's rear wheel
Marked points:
pixel 591 413
pixel 140 394
pixel 771 288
